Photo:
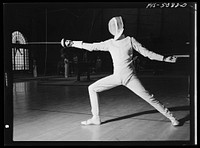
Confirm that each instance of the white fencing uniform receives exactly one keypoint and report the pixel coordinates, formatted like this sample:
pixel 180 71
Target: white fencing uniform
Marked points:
pixel 121 50
pixel 124 72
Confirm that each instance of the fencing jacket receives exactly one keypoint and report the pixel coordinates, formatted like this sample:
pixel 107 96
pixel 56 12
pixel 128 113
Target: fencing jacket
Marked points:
pixel 121 52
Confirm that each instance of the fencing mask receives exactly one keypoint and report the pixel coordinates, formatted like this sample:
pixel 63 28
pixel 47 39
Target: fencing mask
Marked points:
pixel 116 27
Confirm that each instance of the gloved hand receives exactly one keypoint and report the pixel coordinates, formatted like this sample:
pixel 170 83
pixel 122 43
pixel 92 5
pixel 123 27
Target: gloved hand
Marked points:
pixel 171 59
pixel 66 43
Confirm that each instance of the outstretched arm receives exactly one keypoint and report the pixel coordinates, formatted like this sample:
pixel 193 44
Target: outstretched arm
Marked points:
pixel 101 46
pixel 151 55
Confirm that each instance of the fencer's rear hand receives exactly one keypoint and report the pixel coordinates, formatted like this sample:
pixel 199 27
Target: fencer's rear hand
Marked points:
pixel 171 59
pixel 66 43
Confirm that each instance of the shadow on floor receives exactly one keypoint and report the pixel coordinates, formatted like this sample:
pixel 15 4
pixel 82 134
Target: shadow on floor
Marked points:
pixel 179 108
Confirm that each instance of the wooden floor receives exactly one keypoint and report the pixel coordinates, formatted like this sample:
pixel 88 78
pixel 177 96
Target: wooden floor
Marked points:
pixel 53 112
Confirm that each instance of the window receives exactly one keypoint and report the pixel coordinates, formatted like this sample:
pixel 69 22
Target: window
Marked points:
pixel 20 56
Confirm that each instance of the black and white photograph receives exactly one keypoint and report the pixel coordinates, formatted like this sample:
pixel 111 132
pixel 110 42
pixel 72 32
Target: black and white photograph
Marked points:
pixel 100 73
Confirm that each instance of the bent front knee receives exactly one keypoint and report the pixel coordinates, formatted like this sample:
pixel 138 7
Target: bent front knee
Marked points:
pixel 91 88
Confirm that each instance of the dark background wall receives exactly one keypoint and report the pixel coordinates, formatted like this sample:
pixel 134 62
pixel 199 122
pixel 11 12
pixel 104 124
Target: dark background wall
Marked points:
pixel 165 31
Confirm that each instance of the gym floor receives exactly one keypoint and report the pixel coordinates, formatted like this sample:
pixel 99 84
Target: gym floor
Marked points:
pixel 52 110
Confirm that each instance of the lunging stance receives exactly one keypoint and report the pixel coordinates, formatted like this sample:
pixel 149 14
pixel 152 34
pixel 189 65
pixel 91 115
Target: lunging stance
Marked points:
pixel 121 49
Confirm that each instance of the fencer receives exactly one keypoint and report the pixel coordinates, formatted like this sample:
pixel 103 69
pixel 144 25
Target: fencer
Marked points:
pixel 122 50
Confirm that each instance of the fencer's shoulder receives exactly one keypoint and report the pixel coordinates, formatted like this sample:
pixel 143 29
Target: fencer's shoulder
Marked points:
pixel 132 39
pixel 103 42
pixel 108 41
